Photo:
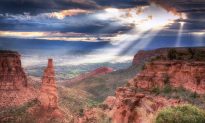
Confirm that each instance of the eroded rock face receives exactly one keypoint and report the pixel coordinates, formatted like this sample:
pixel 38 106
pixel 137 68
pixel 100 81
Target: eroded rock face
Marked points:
pixel 143 56
pixel 181 53
pixel 125 103
pixel 14 90
pixel 48 93
pixel 188 74
pixel 12 75
pixel 128 106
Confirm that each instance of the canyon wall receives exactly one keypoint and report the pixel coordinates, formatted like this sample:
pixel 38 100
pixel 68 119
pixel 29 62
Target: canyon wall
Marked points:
pixel 187 74
pixel 163 53
pixel 12 75
pixel 14 88
pixel 135 103
pixel 127 106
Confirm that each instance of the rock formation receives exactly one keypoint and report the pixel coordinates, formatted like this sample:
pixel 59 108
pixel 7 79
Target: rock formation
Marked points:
pixel 182 54
pixel 14 89
pixel 187 74
pixel 127 106
pixel 143 55
pixel 12 75
pixel 178 67
pixel 48 93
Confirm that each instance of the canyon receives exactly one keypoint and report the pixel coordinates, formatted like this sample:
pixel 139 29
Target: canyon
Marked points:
pixel 138 101
pixel 17 89
pixel 14 86
pixel 128 106
pixel 189 75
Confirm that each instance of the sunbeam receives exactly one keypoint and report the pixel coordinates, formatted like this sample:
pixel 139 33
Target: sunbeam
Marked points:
pixel 146 25
pixel 144 42
pixel 178 41
pixel 199 37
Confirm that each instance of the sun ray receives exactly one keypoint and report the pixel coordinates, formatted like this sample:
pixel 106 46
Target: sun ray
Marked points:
pixel 178 41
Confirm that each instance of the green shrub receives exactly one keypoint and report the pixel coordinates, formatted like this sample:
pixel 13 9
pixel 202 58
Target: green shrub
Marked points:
pixel 191 52
pixel 166 79
pixel 181 114
pixel 81 111
pixel 194 95
pixel 156 90
pixel 167 89
pixel 143 66
pixel 172 54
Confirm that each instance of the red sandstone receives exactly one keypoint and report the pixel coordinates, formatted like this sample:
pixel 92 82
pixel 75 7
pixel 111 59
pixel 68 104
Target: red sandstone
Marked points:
pixel 12 75
pixel 48 93
pixel 187 74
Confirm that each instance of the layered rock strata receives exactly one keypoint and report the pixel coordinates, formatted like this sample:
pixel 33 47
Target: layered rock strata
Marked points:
pixel 48 93
pixel 187 74
pixel 181 53
pixel 14 88
pixel 127 106
pixel 12 75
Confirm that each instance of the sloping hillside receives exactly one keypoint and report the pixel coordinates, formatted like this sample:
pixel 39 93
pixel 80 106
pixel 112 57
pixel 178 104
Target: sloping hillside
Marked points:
pixel 105 85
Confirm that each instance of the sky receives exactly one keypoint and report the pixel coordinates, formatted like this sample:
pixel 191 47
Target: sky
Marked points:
pixel 99 30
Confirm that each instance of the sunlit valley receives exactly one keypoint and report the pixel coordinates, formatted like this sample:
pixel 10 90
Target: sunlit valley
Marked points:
pixel 102 61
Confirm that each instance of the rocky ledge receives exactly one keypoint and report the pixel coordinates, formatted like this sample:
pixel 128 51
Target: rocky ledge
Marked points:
pixel 187 74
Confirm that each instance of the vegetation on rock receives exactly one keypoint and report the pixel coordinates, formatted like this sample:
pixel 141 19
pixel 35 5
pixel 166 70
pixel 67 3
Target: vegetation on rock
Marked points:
pixel 181 114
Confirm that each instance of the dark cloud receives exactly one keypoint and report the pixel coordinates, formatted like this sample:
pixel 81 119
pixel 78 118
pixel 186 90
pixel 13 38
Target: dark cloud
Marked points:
pixel 16 20
pixel 79 24
pixel 122 3
pixel 42 6
pixel 37 44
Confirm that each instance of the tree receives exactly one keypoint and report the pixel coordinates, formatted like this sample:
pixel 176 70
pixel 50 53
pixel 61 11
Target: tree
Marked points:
pixel 191 52
pixel 172 54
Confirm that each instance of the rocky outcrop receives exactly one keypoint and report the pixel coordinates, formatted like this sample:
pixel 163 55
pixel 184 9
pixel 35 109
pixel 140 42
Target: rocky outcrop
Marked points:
pixel 128 106
pixel 15 93
pixel 12 75
pixel 163 53
pixel 177 73
pixel 178 67
pixel 48 97
pixel 14 89
pixel 143 55
pixel 48 92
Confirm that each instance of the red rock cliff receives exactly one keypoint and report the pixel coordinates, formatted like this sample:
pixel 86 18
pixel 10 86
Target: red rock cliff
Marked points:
pixel 188 74
pixel 12 75
pixel 14 90
pixel 147 55
pixel 179 67
pixel 127 106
